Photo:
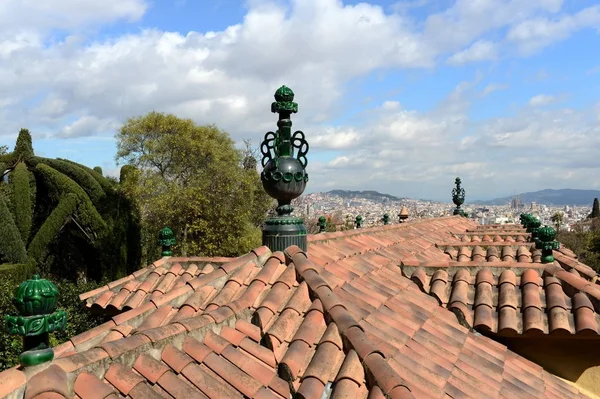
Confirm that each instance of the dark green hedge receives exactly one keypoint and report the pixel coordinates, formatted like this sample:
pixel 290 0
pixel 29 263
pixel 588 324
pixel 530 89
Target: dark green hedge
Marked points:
pixel 12 248
pixel 87 213
pixel 78 174
pixel 22 200
pixel 98 170
pixel 104 183
pixel 49 230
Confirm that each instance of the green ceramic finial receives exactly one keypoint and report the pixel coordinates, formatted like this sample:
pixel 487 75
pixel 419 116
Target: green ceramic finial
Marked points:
pixel 284 174
pixel 36 300
pixel 523 218
pixel 458 197
pixel 358 221
pixel 545 241
pixel 531 224
pixel 166 239
pixel 322 224
pixel 386 218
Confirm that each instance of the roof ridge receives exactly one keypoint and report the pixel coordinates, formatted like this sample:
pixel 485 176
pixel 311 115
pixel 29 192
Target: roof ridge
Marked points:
pixel 329 236
pixel 352 332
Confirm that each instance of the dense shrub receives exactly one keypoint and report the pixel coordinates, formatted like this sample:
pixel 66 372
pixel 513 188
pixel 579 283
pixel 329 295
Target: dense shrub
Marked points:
pixel 12 249
pixel 69 219
pixel 49 230
pixel 22 201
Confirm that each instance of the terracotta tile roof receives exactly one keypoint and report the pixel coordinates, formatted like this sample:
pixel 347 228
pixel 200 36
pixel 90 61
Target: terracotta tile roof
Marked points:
pixel 164 275
pixel 499 285
pixel 271 326
pixel 412 242
pixel 510 299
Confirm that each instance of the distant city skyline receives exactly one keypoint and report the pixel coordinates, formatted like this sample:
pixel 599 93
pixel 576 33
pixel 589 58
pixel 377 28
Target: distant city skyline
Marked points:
pixel 394 96
pixel 582 200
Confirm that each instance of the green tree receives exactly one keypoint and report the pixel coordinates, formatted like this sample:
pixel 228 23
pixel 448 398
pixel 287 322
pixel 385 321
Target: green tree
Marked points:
pixel 595 209
pixel 192 179
pixel 557 219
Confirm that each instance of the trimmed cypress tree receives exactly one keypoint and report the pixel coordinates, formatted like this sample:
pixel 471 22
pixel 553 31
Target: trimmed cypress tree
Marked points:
pixel 64 218
pixel 595 209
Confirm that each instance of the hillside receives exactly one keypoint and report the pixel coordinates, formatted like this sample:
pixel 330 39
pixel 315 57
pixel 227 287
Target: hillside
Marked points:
pixel 366 194
pixel 550 197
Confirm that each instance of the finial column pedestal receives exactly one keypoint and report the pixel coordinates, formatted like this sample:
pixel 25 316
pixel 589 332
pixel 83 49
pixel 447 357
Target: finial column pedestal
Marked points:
pixel 284 175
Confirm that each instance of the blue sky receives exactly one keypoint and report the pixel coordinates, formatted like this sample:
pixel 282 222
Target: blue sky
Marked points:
pixel 394 96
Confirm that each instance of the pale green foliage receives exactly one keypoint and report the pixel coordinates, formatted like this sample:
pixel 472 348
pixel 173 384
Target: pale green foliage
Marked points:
pixel 191 179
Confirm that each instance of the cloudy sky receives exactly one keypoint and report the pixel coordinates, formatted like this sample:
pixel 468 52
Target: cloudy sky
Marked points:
pixel 399 97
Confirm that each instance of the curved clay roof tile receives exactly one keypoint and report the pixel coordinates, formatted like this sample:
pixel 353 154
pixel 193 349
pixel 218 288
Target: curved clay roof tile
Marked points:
pixel 478 254
pixel 492 254
pixel 508 254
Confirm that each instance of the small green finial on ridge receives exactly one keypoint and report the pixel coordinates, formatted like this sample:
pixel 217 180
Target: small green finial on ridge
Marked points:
pixel 546 242
pixel 322 224
pixel 166 239
pixel 358 221
pixel 386 219
pixel 531 224
pixel 36 300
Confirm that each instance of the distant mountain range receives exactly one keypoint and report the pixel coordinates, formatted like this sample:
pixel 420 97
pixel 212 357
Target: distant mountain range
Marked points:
pixel 367 194
pixel 561 197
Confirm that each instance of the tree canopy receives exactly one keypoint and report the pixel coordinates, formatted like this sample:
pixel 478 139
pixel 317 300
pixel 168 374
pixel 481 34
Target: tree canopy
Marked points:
pixel 192 179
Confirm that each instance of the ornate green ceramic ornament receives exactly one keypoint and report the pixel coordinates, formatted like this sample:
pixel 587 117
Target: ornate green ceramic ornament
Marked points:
pixel 458 197
pixel 35 301
pixel 358 221
pixel 531 224
pixel 166 239
pixel 545 241
pixel 284 175
pixel 386 218
pixel 322 224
